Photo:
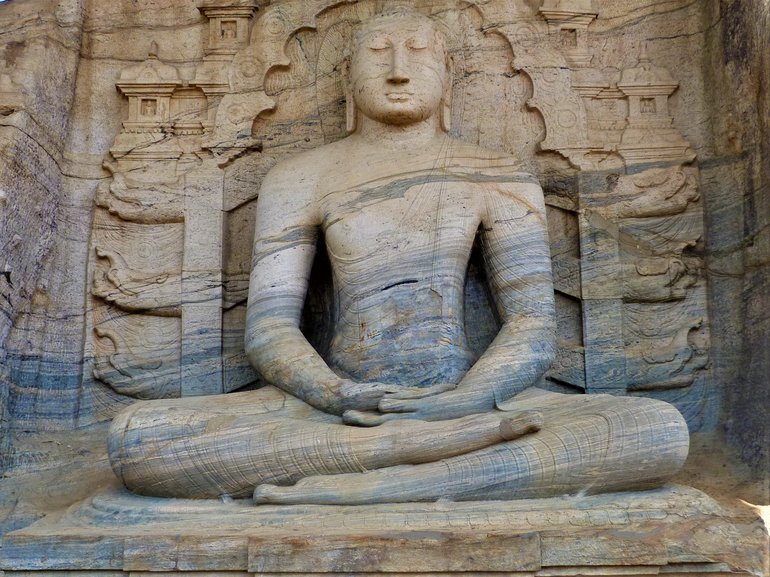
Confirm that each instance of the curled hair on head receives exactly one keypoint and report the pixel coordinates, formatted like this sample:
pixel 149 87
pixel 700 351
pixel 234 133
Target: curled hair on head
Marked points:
pixel 385 7
pixel 395 11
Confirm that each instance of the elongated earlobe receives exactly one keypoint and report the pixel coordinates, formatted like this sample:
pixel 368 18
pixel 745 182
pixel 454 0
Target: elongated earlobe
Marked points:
pixel 350 112
pixel 446 101
pixel 446 114
pixel 350 104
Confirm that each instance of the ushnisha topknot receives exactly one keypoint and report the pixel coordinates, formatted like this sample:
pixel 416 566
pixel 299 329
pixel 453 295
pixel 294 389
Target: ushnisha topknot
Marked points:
pixel 397 11
pixel 385 7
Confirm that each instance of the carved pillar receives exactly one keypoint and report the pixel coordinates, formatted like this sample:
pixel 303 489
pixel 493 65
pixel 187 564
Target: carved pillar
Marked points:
pixel 601 292
pixel 640 228
pixel 158 282
pixel 161 287
pixel 201 346
pixel 600 283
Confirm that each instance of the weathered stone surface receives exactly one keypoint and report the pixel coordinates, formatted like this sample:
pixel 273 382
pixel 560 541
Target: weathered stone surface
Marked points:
pixel 738 239
pixel 671 306
pixel 674 530
pixel 398 206
pixel 199 60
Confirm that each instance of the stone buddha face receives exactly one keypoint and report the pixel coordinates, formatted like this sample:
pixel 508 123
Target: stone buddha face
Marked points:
pixel 398 72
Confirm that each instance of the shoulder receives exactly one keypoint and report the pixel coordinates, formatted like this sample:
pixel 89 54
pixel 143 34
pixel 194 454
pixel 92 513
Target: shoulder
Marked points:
pixel 294 181
pixel 487 164
pixel 503 174
pixel 299 169
pixel 289 191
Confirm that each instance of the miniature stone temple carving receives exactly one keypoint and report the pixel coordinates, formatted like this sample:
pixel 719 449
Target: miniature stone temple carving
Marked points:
pixel 399 408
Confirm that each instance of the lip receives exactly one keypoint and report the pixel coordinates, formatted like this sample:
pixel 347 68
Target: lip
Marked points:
pixel 398 96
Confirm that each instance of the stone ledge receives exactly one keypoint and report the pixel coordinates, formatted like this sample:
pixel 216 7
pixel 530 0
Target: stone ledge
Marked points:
pixel 672 531
pixel 688 570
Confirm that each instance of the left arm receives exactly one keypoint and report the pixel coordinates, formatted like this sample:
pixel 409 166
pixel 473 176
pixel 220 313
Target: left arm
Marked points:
pixel 518 264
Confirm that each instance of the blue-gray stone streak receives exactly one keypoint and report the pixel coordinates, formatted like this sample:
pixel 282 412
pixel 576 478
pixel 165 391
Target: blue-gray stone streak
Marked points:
pixel 399 205
pixel 399 266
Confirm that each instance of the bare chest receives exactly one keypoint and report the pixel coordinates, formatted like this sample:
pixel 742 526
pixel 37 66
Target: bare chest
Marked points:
pixel 407 218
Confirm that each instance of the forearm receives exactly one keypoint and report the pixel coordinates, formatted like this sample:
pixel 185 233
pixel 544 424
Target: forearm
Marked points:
pixel 286 360
pixel 518 260
pixel 516 360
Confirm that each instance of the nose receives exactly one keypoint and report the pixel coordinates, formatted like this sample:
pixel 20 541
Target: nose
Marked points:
pixel 398 74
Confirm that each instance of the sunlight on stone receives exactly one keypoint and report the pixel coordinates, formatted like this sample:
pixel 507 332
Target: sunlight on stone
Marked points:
pixel 763 510
pixel 379 287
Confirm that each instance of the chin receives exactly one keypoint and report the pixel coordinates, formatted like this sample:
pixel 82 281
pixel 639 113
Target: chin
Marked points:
pixel 402 117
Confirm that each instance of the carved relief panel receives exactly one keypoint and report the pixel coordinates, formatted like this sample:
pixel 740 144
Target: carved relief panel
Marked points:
pixel 621 188
pixel 156 266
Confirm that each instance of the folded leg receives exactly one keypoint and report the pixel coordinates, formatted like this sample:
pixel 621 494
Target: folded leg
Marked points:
pixel 226 445
pixel 588 444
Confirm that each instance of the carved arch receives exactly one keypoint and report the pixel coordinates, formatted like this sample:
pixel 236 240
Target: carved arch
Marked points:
pixel 272 31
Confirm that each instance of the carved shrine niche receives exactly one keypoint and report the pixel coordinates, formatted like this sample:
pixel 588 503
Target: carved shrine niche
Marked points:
pixel 156 268
pixel 625 218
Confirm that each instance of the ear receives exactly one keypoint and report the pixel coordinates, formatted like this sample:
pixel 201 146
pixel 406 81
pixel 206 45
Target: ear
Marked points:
pixel 446 100
pixel 350 104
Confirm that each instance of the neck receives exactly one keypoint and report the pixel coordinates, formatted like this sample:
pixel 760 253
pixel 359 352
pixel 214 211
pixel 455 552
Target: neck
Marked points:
pixel 398 136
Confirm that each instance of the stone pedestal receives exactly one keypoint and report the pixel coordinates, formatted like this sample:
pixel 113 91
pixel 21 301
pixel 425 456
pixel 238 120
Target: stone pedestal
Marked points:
pixel 674 531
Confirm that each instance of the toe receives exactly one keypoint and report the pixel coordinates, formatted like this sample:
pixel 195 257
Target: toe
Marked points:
pixel 264 494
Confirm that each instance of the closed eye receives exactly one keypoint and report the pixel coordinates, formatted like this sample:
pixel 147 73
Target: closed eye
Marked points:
pixel 417 44
pixel 379 44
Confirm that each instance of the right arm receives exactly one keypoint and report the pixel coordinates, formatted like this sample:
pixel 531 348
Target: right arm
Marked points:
pixel 287 229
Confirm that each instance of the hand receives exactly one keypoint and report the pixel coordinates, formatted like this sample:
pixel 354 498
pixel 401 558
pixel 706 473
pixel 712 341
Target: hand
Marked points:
pixel 362 396
pixel 434 406
pixel 404 393
pixel 368 396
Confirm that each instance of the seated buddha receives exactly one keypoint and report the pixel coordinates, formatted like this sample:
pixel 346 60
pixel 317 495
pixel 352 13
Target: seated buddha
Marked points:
pixel 400 408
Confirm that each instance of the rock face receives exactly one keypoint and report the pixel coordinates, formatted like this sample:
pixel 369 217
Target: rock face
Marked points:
pixel 135 137
pixel 42 312
pixel 227 91
pixel 399 204
pixel 739 248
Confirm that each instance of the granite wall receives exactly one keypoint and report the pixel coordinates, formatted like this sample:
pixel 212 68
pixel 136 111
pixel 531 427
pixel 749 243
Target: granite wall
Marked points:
pixel 64 58
pixel 736 183
pixel 40 342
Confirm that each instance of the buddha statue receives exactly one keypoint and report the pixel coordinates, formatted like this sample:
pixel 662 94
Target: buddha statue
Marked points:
pixel 400 408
